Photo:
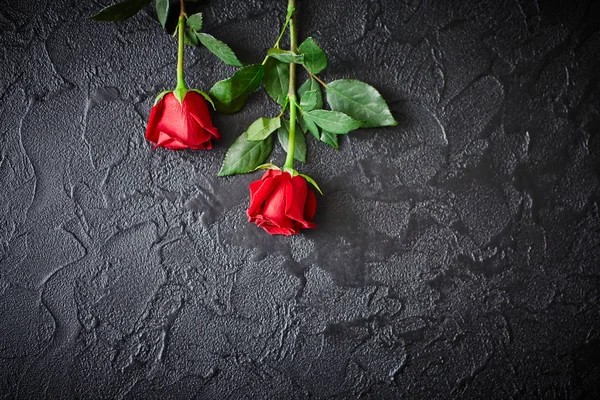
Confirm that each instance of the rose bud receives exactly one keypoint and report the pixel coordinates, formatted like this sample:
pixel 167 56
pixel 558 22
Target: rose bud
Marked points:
pixel 179 125
pixel 281 204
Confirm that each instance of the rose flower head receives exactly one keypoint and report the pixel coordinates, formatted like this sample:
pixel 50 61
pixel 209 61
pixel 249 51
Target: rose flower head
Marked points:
pixel 281 203
pixel 180 120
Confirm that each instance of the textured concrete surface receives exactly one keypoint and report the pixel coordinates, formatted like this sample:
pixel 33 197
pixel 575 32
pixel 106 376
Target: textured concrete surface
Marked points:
pixel 457 254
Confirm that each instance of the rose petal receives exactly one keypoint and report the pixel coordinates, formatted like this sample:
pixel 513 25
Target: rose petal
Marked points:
pixel 198 117
pixel 275 203
pixel 172 122
pixel 195 104
pixel 152 131
pixel 259 191
pixel 168 142
pixel 273 229
pixel 310 207
pixel 203 146
pixel 271 173
pixel 206 145
pixel 296 197
pixel 209 129
pixel 175 120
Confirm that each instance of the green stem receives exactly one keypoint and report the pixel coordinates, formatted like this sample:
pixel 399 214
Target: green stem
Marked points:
pixel 289 161
pixel 288 17
pixel 316 78
pixel 181 31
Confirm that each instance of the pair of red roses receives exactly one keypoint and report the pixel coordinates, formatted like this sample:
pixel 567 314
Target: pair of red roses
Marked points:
pixel 279 202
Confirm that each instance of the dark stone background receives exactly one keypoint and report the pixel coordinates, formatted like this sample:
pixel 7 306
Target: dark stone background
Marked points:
pixel 456 254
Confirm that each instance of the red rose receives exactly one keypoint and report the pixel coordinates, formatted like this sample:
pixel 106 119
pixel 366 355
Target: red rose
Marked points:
pixel 281 204
pixel 177 126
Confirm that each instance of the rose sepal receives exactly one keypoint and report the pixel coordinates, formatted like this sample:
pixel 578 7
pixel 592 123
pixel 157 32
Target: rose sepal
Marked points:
pixel 267 166
pixel 206 96
pixel 161 95
pixel 293 172
pixel 290 171
pixel 180 93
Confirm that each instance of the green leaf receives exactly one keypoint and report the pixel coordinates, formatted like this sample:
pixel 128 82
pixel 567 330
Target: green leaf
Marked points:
pixel 120 11
pixel 283 134
pixel 162 11
pixel 244 156
pixel 360 101
pixel 301 124
pixel 262 127
pixel 194 21
pixel 277 80
pixel 230 94
pixel 312 182
pixel 285 56
pixel 333 121
pixel 219 49
pixel 310 100
pixel 311 84
pixel 190 38
pixel 315 59
pixel 311 127
pixel 330 139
